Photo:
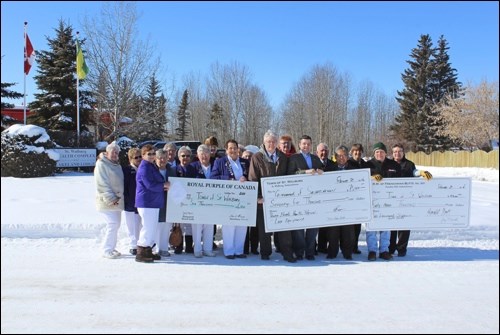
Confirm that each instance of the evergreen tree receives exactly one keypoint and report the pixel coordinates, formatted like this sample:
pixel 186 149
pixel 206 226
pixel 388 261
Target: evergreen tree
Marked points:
pixel 55 106
pixel 149 114
pixel 427 80
pixel 8 94
pixel 182 132
pixel 415 99
pixel 444 84
pixel 216 120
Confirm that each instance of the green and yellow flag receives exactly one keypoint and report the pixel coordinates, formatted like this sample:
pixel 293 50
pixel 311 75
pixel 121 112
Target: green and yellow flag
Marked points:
pixel 81 67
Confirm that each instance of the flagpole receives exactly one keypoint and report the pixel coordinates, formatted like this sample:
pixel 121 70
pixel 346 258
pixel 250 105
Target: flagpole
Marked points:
pixel 77 98
pixel 25 56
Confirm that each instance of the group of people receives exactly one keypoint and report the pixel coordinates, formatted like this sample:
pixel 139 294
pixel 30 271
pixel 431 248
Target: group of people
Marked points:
pixel 139 190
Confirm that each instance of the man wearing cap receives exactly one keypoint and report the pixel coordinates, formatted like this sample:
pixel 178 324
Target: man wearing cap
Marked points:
pixel 381 167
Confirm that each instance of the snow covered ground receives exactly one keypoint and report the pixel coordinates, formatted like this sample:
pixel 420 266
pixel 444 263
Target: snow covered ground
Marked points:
pixel 54 279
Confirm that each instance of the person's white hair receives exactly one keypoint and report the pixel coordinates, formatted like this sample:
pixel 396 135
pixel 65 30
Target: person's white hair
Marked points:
pixel 270 134
pixel 203 148
pixel 112 147
pixel 184 149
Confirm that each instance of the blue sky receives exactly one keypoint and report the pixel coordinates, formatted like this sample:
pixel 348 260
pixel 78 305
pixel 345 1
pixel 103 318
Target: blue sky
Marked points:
pixel 279 42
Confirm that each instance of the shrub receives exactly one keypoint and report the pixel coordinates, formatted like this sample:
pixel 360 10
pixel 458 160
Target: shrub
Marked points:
pixel 26 152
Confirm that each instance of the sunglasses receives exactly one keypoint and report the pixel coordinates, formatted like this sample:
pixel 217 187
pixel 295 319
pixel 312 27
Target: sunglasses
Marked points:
pixel 151 153
pixel 185 156
pixel 137 157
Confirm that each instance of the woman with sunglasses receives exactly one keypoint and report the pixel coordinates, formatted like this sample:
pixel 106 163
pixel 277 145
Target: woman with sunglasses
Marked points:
pixel 130 214
pixel 185 170
pixel 149 198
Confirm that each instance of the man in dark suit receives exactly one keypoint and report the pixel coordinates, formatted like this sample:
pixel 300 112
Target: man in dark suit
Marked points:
pixel 323 152
pixel 304 162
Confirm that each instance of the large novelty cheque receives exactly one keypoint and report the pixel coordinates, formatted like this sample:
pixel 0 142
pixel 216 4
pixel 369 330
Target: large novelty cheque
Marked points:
pixel 413 203
pixel 309 201
pixel 212 201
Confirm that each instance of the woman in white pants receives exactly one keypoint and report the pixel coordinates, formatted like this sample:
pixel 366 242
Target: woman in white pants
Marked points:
pixel 163 231
pixel 108 176
pixel 203 232
pixel 130 214
pixel 149 198
pixel 232 167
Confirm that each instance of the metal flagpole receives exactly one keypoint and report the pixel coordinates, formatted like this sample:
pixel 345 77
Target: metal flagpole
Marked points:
pixel 25 59
pixel 77 96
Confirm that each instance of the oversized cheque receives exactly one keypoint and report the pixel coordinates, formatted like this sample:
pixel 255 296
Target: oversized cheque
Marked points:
pixel 212 201
pixel 308 201
pixel 413 203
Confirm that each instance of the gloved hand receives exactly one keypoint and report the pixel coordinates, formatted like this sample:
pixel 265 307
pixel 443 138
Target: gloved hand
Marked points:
pixel 426 174
pixel 377 177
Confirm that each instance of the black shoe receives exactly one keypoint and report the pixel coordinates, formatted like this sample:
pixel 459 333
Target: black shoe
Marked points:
pixel 230 257
pixel 290 259
pixel 255 252
pixel 385 255
pixel 133 251
pixel 357 252
pixel 401 253
pixel 246 252
pixel 240 256
pixel 349 258
pixel 299 258
pixel 156 257
pixel 265 257
pixel 214 246
pixel 323 250
pixel 372 256
pixel 330 256
pixel 310 258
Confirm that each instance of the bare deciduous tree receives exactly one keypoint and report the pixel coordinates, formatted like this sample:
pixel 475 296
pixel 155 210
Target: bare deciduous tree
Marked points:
pixel 117 58
pixel 472 119
pixel 227 86
pixel 318 106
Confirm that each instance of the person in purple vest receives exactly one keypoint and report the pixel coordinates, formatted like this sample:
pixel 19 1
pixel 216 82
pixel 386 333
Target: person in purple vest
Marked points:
pixel 232 167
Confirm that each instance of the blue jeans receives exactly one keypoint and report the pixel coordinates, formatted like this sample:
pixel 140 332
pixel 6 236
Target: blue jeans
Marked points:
pixel 383 245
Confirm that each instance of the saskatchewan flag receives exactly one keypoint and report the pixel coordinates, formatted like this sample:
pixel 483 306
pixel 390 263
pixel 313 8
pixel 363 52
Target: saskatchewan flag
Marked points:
pixel 81 67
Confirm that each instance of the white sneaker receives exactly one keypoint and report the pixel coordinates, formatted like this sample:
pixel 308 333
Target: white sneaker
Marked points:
pixel 164 253
pixel 116 253
pixel 109 254
pixel 198 255
pixel 209 253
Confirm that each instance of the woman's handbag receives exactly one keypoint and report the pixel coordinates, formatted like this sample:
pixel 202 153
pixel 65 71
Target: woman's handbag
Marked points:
pixel 175 239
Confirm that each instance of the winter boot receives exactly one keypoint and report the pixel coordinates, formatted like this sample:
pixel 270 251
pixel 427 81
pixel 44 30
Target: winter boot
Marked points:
pixel 143 255
pixel 178 249
pixel 189 244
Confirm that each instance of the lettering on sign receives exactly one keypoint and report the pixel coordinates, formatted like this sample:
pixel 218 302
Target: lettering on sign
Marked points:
pixel 211 201
pixel 309 201
pixel 413 203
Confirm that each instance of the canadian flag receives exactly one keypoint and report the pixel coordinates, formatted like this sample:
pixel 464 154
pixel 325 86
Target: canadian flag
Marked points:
pixel 29 55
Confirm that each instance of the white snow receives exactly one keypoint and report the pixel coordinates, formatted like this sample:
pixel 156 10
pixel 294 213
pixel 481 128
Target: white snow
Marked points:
pixel 54 279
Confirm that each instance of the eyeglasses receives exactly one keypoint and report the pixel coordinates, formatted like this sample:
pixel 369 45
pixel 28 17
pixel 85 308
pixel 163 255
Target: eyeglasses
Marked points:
pixel 185 156
pixel 151 153
pixel 137 157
